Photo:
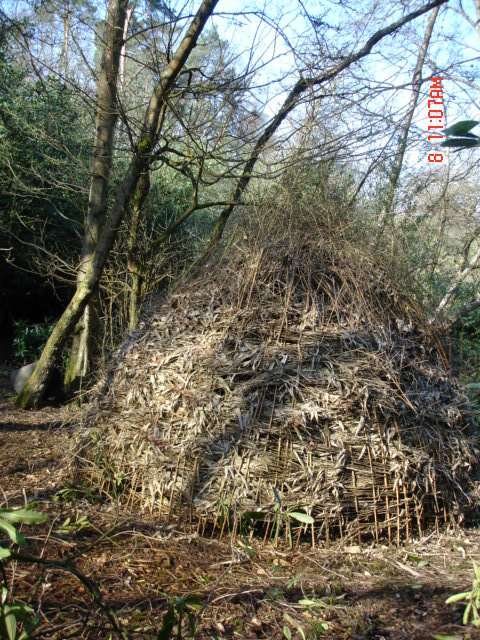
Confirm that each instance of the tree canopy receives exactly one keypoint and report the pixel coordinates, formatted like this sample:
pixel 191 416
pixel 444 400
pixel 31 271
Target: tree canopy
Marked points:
pixel 136 136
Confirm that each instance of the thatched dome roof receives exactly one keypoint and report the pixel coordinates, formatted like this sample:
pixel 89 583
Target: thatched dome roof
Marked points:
pixel 292 373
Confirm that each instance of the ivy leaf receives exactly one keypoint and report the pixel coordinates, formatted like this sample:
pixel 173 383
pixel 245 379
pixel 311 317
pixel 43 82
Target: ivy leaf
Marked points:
pixel 301 517
pixel 471 136
pixel 10 622
pixel 460 128
pixel 25 516
pixel 13 534
pixel 461 142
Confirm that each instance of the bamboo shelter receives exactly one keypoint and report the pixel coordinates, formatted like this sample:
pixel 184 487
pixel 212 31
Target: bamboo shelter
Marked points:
pixel 292 379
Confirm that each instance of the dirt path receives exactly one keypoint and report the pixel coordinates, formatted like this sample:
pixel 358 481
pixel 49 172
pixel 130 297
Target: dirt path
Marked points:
pixel 244 590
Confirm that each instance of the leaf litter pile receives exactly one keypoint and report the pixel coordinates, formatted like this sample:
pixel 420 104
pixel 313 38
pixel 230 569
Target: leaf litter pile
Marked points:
pixel 291 391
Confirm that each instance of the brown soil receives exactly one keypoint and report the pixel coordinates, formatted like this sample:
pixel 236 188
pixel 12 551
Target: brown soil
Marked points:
pixel 245 589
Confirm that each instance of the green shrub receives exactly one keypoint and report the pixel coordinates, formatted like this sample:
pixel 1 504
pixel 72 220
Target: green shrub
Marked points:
pixel 30 339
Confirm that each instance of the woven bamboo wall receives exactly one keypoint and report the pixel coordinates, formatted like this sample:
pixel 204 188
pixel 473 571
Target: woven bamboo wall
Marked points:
pixel 295 369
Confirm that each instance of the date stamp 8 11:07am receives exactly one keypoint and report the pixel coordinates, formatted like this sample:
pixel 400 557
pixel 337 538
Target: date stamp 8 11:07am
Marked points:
pixel 435 115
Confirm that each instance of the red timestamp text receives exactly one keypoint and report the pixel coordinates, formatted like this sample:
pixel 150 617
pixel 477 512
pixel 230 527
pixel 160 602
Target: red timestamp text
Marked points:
pixel 435 115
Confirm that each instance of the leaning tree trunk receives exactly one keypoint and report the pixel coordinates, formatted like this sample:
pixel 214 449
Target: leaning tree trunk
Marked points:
pixel 34 390
pixel 402 143
pixel 287 107
pixel 106 119
pixel 134 262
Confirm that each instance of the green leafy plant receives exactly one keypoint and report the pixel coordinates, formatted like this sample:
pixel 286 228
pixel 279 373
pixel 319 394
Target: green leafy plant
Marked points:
pixel 178 610
pixel 74 493
pixel 74 526
pixel 12 614
pixel 9 517
pixel 460 137
pixel 316 626
pixel 274 594
pixel 420 562
pixel 225 514
pixel 286 516
pixel 472 598
pixel 112 478
pixel 31 338
pixel 293 580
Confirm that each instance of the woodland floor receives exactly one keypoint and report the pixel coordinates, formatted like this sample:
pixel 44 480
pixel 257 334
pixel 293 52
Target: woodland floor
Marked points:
pixel 244 591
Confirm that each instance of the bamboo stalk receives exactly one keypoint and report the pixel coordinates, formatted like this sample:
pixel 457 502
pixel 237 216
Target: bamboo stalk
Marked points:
pixel 267 528
pixel 407 513
pixel 437 506
pixel 385 479
pixel 357 510
pixel 173 488
pixel 397 493
pixel 216 520
pixel 375 518
pixel 192 491
pixel 234 530
pixel 419 515
pixel 270 422
pixel 132 494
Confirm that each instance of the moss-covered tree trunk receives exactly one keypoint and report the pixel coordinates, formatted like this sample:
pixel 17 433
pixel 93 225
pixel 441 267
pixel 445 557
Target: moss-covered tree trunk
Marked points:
pixel 92 267
pixel 33 391
pixel 86 329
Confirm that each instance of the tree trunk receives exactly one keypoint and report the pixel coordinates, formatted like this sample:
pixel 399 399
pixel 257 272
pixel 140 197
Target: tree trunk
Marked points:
pixel 123 54
pixel 477 23
pixel 63 58
pixel 402 143
pixel 34 390
pixel 92 268
pixel 134 264
pixel 84 345
pixel 464 271
pixel 86 330
pixel 464 311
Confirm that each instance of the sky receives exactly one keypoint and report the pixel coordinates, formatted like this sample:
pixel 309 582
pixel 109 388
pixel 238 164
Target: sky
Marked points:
pixel 278 52
pixel 450 30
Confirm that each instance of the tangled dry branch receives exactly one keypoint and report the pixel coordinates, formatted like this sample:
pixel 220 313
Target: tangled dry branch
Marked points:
pixel 294 366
